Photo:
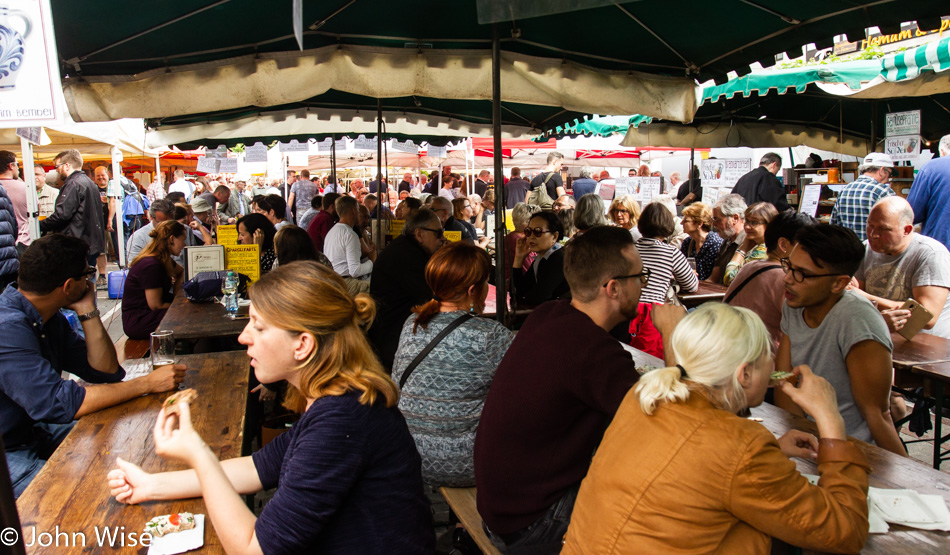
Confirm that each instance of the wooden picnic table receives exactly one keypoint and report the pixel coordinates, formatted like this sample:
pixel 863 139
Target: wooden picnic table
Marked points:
pixel 924 348
pixel 71 493
pixel 188 320
pixel 707 292
pixel 889 471
pixel 936 375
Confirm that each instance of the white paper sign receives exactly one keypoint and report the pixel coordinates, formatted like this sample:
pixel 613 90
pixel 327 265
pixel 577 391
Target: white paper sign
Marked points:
pixel 407 146
pixel 436 151
pixel 363 143
pixel 810 198
pixel 298 159
pixel 902 123
pixel 723 172
pixel 29 67
pixel 903 147
pixel 294 146
pixel 650 187
pixel 31 134
pixel 207 165
pixel 712 194
pixel 325 145
pixel 228 165
pixel 341 144
pixel 627 186
pixel 255 153
pixel 219 153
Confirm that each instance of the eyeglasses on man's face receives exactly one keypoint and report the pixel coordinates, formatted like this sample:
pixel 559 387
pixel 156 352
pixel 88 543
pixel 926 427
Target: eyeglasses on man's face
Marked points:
pixel 798 275
pixel 644 276
pixel 438 232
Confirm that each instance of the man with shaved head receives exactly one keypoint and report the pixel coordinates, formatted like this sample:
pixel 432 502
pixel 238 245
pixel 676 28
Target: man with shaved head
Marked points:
pixel 900 264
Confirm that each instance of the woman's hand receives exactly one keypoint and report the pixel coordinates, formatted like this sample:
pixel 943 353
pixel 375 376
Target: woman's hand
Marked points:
pixel 796 443
pixel 128 483
pixel 748 245
pixel 182 444
pixel 521 251
pixel 258 237
pixel 816 397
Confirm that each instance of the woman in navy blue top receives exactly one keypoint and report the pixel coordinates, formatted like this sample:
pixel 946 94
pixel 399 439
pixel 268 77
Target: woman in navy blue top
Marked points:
pixel 348 475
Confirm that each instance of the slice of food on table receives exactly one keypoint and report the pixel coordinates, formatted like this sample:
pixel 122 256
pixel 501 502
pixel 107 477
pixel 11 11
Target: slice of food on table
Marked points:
pixel 173 402
pixel 169 524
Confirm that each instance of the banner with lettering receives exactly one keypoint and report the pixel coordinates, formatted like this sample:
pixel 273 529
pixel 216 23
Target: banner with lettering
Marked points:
pixel 244 259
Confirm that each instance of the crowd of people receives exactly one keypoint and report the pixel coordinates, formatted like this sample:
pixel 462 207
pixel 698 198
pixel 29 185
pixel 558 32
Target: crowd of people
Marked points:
pixel 401 385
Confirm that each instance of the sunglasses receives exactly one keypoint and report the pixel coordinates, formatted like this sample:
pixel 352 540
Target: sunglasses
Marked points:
pixel 90 271
pixel 536 231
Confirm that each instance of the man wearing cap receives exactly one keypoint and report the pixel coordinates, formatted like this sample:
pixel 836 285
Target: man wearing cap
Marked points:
pixel 204 214
pixel 930 196
pixel 761 185
pixel 855 201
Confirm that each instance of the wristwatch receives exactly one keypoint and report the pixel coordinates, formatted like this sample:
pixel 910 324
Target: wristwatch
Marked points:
pixel 89 315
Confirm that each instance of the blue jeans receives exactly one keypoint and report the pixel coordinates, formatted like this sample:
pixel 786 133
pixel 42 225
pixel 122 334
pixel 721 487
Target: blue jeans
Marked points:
pixel 545 535
pixel 26 461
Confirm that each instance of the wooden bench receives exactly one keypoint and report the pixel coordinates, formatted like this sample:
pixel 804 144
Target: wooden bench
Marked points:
pixel 462 502
pixel 127 349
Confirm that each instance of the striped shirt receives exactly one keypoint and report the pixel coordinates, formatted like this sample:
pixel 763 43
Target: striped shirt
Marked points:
pixel 666 264
pixel 855 202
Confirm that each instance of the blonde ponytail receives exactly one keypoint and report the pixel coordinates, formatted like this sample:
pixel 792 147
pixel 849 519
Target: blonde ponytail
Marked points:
pixel 661 384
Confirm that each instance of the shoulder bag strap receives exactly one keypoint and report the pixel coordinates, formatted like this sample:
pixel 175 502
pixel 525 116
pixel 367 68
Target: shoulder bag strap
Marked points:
pixel 432 344
pixel 753 276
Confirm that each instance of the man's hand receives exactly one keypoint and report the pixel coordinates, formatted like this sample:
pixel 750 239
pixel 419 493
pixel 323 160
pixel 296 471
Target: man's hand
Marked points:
pixel 665 318
pixel 109 226
pixel 896 318
pixel 88 301
pixel 165 378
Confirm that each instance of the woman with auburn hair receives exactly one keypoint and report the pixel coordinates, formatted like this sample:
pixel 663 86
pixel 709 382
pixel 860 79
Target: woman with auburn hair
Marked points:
pixel 757 217
pixel 702 242
pixel 347 474
pixel 257 229
pixel 625 212
pixel 153 280
pixel 443 394
pixel 707 480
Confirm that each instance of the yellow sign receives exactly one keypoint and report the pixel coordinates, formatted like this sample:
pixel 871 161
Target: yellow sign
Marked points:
pixel 244 259
pixel 228 235
pixel 454 236
pixel 509 222
pixel 395 227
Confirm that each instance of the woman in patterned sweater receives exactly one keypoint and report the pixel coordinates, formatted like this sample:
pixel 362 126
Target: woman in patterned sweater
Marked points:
pixel 443 397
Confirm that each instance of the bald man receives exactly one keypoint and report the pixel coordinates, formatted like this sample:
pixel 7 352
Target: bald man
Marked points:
pixel 900 264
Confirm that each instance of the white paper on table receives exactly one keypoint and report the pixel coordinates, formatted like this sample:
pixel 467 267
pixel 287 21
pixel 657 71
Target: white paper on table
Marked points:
pixel 180 542
pixel 902 506
pixel 644 361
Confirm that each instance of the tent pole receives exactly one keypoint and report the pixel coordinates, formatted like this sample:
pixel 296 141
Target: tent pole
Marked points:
pixel 380 187
pixel 119 231
pixel 336 187
pixel 32 203
pixel 158 168
pixel 501 286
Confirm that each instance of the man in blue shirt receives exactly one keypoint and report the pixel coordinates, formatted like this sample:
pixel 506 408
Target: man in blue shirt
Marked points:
pixel 855 201
pixel 930 196
pixel 38 406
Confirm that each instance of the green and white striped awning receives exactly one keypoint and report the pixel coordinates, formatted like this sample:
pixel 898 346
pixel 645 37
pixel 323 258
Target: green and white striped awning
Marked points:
pixel 902 66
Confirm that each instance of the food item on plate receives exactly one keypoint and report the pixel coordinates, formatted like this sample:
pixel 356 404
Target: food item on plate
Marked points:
pixel 169 524
pixel 173 402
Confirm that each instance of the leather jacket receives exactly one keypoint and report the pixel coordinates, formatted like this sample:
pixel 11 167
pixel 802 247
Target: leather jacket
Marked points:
pixel 78 212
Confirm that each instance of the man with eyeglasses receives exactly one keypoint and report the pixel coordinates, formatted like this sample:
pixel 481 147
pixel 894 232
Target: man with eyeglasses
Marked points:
pixel 78 211
pixel 399 281
pixel 837 333
pixel 548 405
pixel 729 221
pixel 446 212
pixel 37 405
pixel 855 201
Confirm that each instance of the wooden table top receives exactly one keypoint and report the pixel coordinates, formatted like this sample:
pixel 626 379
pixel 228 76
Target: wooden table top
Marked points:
pixel 888 471
pixel 923 349
pixel 706 292
pixel 935 370
pixel 72 492
pixel 190 320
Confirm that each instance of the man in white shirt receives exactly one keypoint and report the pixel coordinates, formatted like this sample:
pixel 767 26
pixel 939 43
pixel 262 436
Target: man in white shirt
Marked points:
pixel 343 248
pixel 182 186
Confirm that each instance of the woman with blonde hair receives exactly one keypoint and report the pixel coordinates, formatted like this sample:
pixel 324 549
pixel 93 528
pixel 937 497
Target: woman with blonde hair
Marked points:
pixel 153 279
pixel 707 480
pixel 625 212
pixel 702 242
pixel 757 217
pixel 348 476
pixel 444 392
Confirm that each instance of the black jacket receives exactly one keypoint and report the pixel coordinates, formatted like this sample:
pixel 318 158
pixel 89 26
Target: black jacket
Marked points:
pixel 398 283
pixel 549 285
pixel 760 185
pixel 78 212
pixel 9 263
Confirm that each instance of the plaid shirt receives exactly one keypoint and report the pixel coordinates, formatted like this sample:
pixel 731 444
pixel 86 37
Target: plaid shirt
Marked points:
pixel 855 202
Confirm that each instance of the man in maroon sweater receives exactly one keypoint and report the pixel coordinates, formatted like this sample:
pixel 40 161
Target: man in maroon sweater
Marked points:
pixel 548 406
pixel 321 224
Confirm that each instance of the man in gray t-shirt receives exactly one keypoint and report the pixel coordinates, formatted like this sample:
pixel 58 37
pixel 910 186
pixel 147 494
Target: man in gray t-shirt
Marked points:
pixel 301 193
pixel 837 333
pixel 900 265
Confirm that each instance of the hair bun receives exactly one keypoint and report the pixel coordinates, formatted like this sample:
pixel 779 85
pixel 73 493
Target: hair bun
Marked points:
pixel 365 309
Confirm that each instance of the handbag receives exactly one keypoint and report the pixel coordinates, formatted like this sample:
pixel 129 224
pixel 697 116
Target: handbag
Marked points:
pixel 428 349
pixel 205 286
pixel 540 196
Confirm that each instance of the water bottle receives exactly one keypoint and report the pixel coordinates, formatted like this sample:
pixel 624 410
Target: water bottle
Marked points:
pixel 230 292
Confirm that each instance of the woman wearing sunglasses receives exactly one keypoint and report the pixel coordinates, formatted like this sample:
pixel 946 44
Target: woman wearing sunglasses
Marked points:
pixel 544 279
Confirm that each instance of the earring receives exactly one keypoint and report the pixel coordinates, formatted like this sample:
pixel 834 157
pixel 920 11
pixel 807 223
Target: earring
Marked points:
pixel 471 309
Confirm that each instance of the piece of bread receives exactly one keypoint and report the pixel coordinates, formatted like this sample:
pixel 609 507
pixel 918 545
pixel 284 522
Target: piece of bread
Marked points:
pixel 169 524
pixel 777 377
pixel 174 401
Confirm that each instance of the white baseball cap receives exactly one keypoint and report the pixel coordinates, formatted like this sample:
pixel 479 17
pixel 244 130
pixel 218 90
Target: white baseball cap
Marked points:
pixel 878 159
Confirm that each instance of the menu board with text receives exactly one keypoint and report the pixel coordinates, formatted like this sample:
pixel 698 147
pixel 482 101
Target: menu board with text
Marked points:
pixel 244 259
pixel 227 235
